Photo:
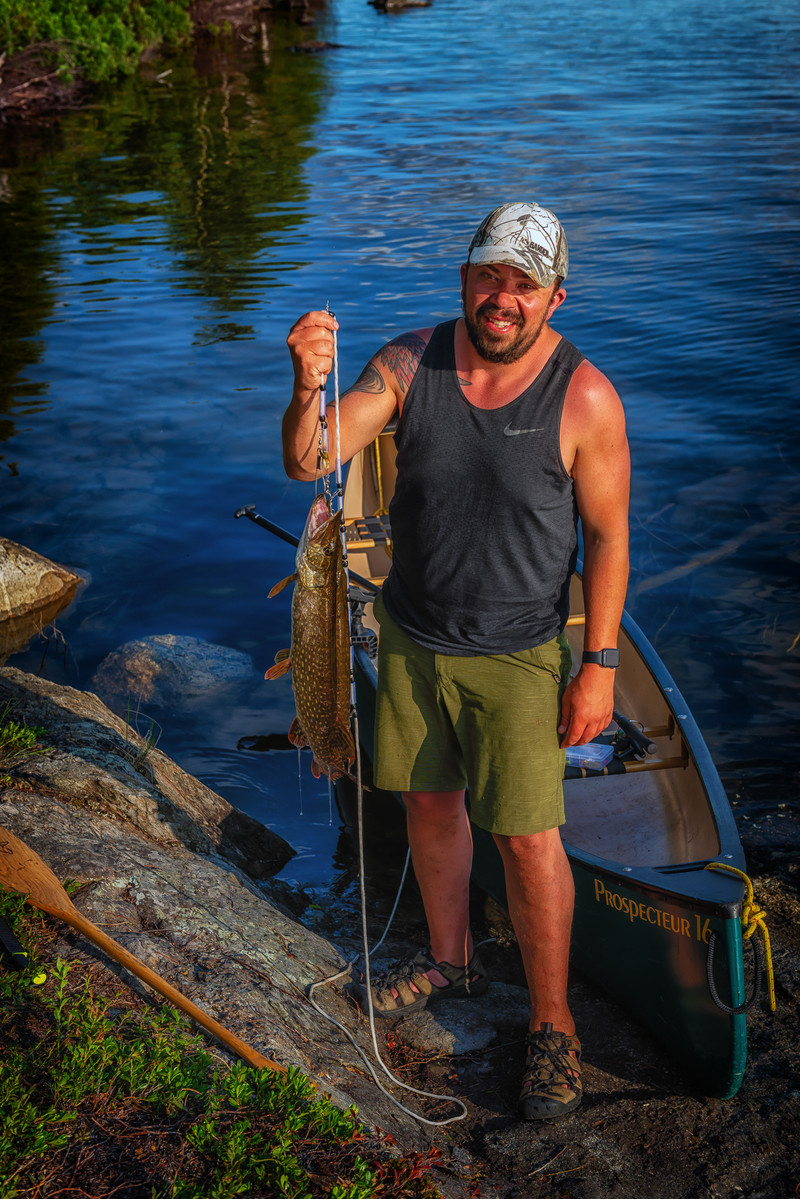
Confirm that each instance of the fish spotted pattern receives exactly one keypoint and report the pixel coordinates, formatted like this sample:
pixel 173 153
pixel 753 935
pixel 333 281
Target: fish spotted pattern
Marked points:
pixel 319 657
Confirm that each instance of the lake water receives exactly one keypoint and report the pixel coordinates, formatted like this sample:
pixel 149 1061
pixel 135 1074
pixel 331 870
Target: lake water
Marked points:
pixel 157 246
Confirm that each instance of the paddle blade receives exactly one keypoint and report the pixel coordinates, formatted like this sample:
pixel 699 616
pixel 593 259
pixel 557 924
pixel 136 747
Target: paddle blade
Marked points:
pixel 22 870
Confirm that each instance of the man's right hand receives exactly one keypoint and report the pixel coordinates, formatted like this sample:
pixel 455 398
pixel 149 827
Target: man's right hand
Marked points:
pixel 364 409
pixel 310 344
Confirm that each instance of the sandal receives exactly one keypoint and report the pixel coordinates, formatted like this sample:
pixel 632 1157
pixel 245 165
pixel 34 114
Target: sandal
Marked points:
pixel 551 1084
pixel 414 990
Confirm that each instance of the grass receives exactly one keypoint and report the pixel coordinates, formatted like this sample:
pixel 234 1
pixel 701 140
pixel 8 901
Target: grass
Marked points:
pixel 18 743
pixel 97 1089
pixel 138 756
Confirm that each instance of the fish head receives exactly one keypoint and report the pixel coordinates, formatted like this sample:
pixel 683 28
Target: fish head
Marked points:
pixel 320 553
pixel 319 513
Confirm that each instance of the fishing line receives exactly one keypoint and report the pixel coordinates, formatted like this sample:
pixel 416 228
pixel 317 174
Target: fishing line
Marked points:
pixel 338 459
pixel 360 815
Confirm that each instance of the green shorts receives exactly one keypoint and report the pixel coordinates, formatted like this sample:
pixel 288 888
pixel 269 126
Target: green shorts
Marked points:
pixel 488 723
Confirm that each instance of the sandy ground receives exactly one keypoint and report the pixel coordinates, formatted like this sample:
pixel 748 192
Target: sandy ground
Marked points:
pixel 642 1131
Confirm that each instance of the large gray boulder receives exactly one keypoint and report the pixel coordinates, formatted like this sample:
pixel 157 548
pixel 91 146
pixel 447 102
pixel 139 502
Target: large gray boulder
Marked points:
pixel 168 670
pixel 33 590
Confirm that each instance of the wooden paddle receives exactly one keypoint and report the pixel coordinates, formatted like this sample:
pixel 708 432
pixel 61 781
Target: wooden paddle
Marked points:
pixel 23 870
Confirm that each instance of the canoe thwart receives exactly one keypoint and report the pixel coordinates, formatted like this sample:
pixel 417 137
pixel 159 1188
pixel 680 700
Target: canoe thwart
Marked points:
pixel 623 766
pixel 368 531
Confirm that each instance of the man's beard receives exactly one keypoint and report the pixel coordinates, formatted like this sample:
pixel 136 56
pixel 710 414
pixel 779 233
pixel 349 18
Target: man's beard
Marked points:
pixel 497 349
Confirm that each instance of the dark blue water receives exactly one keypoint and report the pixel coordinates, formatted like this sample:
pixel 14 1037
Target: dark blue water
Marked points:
pixel 158 246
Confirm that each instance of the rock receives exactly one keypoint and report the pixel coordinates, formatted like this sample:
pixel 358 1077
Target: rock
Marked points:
pixel 465 1027
pixel 99 763
pixel 398 5
pixel 33 590
pixel 314 47
pixel 168 670
pixel 158 870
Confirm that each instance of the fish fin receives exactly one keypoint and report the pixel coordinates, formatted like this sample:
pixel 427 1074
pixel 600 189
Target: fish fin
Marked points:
pixel 348 744
pixel 333 773
pixel 296 734
pixel 283 664
pixel 318 770
pixel 280 586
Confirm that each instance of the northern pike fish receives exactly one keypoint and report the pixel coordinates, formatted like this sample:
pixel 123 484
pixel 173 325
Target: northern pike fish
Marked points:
pixel 319 657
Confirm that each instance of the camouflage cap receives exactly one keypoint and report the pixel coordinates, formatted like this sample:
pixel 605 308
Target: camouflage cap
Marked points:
pixel 525 236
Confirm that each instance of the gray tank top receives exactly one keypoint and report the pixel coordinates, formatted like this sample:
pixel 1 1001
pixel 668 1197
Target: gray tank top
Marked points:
pixel 484 521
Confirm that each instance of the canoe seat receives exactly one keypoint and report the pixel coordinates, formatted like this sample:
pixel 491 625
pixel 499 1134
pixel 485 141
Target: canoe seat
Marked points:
pixel 368 531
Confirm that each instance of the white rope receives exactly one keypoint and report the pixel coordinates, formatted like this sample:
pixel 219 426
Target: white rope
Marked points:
pixel 366 949
pixel 361 867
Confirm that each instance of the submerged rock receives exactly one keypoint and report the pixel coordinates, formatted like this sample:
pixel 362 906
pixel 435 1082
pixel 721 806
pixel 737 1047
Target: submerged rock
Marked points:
pixel 33 590
pixel 397 5
pixel 168 670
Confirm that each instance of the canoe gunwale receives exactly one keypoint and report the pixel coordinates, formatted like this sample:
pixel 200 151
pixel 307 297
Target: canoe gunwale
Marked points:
pixel 730 849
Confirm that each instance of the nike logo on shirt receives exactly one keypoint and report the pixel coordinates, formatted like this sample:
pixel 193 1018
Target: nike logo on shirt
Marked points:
pixel 509 432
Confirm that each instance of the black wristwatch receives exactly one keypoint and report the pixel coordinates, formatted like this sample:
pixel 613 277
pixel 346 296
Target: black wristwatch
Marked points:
pixel 602 657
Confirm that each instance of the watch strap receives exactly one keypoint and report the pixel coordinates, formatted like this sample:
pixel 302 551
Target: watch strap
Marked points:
pixel 602 657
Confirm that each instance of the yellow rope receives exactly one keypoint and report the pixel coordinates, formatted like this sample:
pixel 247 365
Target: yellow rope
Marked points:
pixel 382 509
pixel 379 477
pixel 753 917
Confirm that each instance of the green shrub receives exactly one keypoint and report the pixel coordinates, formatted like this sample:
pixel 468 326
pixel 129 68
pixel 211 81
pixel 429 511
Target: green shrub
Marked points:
pixel 96 39
pixel 82 1074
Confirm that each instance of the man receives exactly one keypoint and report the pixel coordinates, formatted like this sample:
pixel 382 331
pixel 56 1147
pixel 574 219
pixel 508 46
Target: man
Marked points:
pixel 505 434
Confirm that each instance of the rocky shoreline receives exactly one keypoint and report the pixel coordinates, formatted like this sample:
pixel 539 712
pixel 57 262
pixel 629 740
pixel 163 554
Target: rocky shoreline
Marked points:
pixel 180 879
pixel 183 881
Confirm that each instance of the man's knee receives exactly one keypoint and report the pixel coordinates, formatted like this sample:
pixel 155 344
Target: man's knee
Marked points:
pixel 530 847
pixel 434 805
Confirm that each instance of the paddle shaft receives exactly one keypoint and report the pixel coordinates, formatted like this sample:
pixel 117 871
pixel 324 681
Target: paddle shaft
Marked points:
pixel 115 951
pixel 22 870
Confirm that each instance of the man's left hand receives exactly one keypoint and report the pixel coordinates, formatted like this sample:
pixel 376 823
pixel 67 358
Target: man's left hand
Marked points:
pixel 588 705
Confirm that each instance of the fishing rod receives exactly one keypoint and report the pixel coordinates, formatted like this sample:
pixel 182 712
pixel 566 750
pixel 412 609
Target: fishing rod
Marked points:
pixel 249 510
pixel 358 634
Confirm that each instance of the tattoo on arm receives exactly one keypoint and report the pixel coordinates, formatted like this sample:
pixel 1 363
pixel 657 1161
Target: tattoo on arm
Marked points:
pixel 402 357
pixel 370 380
